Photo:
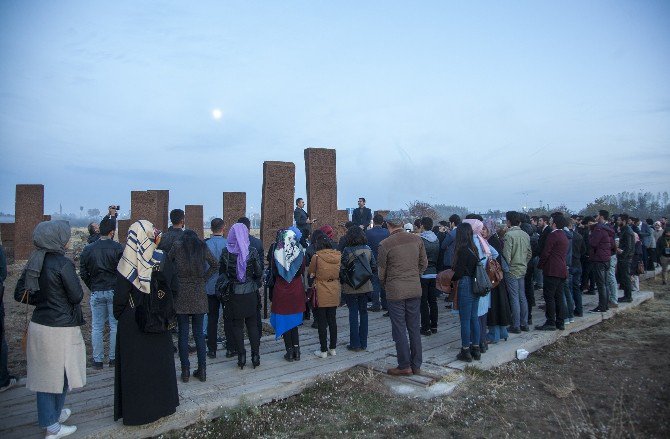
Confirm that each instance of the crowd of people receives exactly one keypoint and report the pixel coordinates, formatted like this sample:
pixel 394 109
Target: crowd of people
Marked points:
pixel 155 282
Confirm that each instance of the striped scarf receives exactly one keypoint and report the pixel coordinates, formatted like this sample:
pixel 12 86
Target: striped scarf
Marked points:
pixel 140 256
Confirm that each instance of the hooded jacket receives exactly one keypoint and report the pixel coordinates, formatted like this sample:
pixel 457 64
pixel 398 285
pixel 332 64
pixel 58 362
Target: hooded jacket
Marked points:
pixel 432 246
pixel 325 265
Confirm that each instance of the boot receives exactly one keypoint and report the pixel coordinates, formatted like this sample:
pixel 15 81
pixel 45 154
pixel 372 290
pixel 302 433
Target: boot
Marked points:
pixel 201 374
pixel 185 374
pixel 255 359
pixel 296 353
pixel 475 352
pixel 242 359
pixel 288 356
pixel 464 355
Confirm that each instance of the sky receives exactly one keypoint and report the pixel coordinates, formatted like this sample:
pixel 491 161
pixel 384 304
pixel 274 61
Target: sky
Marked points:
pixel 488 105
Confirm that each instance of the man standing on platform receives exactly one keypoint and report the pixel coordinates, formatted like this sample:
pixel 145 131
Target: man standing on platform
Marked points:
pixel 375 235
pixel 362 215
pixel 302 221
pixel 402 259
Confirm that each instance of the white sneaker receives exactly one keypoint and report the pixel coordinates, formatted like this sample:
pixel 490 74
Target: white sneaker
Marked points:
pixel 64 415
pixel 65 430
pixel 10 384
pixel 321 354
pixel 332 352
pixel 567 322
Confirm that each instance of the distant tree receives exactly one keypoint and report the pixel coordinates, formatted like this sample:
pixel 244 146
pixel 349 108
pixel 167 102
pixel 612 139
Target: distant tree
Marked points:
pixel 444 211
pixel 419 209
pixel 93 213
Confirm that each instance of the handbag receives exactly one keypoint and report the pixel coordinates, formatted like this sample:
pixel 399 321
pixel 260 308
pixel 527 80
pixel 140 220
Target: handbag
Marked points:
pixel 358 272
pixel 495 272
pixel 640 268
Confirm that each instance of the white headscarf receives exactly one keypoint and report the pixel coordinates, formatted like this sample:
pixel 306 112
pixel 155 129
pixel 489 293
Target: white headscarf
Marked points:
pixel 140 255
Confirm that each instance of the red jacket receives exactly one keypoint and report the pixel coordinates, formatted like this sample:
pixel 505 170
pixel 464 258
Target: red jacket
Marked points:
pixel 601 243
pixel 552 259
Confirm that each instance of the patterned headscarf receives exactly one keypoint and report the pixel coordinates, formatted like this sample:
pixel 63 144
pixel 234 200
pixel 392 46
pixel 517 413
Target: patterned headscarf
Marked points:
pixel 140 255
pixel 238 244
pixel 477 227
pixel 288 253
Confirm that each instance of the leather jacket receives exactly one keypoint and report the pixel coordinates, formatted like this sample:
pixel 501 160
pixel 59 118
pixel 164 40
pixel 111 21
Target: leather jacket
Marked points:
pixel 254 273
pixel 97 264
pixel 58 301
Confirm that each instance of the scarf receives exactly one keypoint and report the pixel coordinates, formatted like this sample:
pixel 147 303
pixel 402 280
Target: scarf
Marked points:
pixel 288 253
pixel 48 237
pixel 238 244
pixel 477 227
pixel 140 256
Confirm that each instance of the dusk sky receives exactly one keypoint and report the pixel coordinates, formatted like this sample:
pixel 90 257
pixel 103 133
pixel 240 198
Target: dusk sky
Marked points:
pixel 479 104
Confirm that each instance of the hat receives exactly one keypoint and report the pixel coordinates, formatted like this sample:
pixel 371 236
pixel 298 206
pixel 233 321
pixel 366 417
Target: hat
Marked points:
pixel 328 230
pixel 108 224
pixel 394 218
pixel 409 227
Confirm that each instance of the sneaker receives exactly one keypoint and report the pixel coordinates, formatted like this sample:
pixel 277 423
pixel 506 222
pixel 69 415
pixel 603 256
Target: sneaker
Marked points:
pixel 64 415
pixel 596 310
pixel 572 319
pixel 332 352
pixel 65 430
pixel 11 383
pixel 567 321
pixel 425 332
pixel 464 355
pixel 321 354
pixel 97 365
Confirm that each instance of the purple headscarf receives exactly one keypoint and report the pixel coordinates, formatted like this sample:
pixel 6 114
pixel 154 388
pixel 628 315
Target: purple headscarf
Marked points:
pixel 238 244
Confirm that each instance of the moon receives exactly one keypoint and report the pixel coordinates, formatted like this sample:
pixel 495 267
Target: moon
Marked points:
pixel 217 113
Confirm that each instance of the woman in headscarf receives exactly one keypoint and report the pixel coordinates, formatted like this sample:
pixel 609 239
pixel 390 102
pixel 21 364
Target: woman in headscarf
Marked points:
pixel 485 252
pixel 288 293
pixel 241 264
pixel 499 316
pixel 145 388
pixel 189 256
pixel 56 354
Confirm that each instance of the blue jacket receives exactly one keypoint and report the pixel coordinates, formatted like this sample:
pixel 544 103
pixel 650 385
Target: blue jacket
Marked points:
pixel 448 248
pixel 376 235
pixel 216 244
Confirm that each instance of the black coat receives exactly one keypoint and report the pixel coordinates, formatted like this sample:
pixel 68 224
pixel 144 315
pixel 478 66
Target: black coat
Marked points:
pixel 58 301
pixel 500 313
pixel 245 299
pixel 169 237
pixel 98 262
pixel 362 217
pixel 145 383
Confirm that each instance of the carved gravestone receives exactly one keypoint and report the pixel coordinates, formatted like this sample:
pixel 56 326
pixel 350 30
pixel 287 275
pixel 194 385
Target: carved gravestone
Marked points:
pixel 143 206
pixel 29 212
pixel 277 202
pixel 234 208
pixel 321 178
pixel 7 239
pixel 342 218
pixel 193 219
pixel 122 233
pixel 162 206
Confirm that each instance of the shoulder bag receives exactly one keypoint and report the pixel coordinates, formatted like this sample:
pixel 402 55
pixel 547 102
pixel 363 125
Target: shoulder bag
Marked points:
pixel 481 284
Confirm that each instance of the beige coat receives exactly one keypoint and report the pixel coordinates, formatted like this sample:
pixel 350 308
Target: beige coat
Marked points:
pixel 52 353
pixel 325 264
pixel 402 259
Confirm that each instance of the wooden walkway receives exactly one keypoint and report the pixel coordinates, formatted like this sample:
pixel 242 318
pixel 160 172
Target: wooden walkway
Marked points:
pixel 228 386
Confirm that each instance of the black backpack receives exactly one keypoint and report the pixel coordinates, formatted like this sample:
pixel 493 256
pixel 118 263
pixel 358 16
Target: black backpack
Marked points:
pixel 358 271
pixel 154 312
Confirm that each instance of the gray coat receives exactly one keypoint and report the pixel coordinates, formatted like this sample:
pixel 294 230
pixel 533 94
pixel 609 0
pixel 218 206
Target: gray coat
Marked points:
pixel 192 298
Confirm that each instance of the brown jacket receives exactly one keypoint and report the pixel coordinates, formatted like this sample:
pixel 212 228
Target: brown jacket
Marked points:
pixel 192 298
pixel 402 259
pixel 325 264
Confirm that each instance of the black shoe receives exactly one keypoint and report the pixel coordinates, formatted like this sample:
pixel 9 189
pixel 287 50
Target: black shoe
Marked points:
pixel 433 330
pixel 97 365
pixel 211 354
pixel 464 355
pixel 579 314
pixel 476 353
pixel 597 309
pixel 296 353
pixel 241 359
pixel 349 348
pixel 525 329
pixel 530 319
pixel 288 356
pixel 255 359
pixel 590 293
pixel 425 332
pixel 625 299
pixel 230 353
pixel 483 347
pixel 192 349
pixel 201 374
pixel 112 363
pixel 545 327
pixel 185 375
pixel 513 330
pixel 560 327
pixel 375 308
pixel 386 314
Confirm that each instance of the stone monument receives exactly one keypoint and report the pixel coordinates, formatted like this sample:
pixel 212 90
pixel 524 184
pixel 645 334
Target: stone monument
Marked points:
pixel 194 219
pixel 234 208
pixel 278 199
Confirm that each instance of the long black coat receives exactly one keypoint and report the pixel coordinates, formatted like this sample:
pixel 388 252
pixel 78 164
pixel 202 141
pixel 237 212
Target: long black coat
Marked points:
pixel 145 383
pixel 500 313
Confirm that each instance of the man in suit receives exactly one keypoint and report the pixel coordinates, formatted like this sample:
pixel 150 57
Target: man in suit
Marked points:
pixel 302 221
pixel 362 215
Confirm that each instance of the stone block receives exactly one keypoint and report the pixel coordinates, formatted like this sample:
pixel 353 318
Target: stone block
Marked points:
pixel 193 219
pixel 321 179
pixel 278 199
pixel 122 232
pixel 143 206
pixel 234 208
pixel 342 216
pixel 7 240
pixel 29 212
pixel 162 208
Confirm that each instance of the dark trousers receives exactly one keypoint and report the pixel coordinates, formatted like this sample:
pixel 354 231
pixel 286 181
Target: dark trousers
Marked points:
pixel 198 336
pixel 291 338
pixel 213 325
pixel 358 319
pixel 623 271
pixel 252 330
pixel 600 270
pixel 405 320
pixel 529 289
pixel 576 289
pixel 554 298
pixel 326 319
pixel 428 304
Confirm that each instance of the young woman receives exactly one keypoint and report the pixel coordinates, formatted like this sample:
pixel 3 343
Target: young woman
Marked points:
pixel 324 270
pixel 357 299
pixel 464 265
pixel 190 256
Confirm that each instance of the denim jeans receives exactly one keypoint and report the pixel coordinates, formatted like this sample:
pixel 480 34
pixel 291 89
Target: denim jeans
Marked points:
pixel 49 406
pixel 198 336
pixel 612 289
pixel 406 321
pixel 358 328
pixel 496 333
pixel 467 312
pixel 102 310
pixel 568 302
pixel 517 300
pixel 378 293
pixel 575 286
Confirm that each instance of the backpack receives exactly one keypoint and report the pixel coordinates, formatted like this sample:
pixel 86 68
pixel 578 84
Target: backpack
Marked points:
pixel 481 284
pixel 358 271
pixel 154 312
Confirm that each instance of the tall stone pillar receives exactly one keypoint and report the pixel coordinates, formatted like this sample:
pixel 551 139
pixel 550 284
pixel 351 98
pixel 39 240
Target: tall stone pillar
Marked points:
pixel 194 219
pixel 143 206
pixel 234 208
pixel 29 212
pixel 162 206
pixel 278 199
pixel 321 178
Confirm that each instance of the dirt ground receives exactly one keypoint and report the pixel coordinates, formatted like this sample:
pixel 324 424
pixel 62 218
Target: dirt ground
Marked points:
pixel 609 381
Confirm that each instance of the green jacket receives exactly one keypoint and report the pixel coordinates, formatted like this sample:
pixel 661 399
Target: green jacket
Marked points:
pixel 517 251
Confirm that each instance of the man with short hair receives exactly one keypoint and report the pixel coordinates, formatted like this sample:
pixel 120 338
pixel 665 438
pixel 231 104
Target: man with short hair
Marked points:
pixel 517 253
pixel 362 215
pixel 302 221
pixel 555 270
pixel 174 232
pixel 97 268
pixel 601 245
pixel 624 257
pixel 447 245
pixel 429 312
pixel 375 235
pixel 216 243
pixel 402 259
pixel 93 232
